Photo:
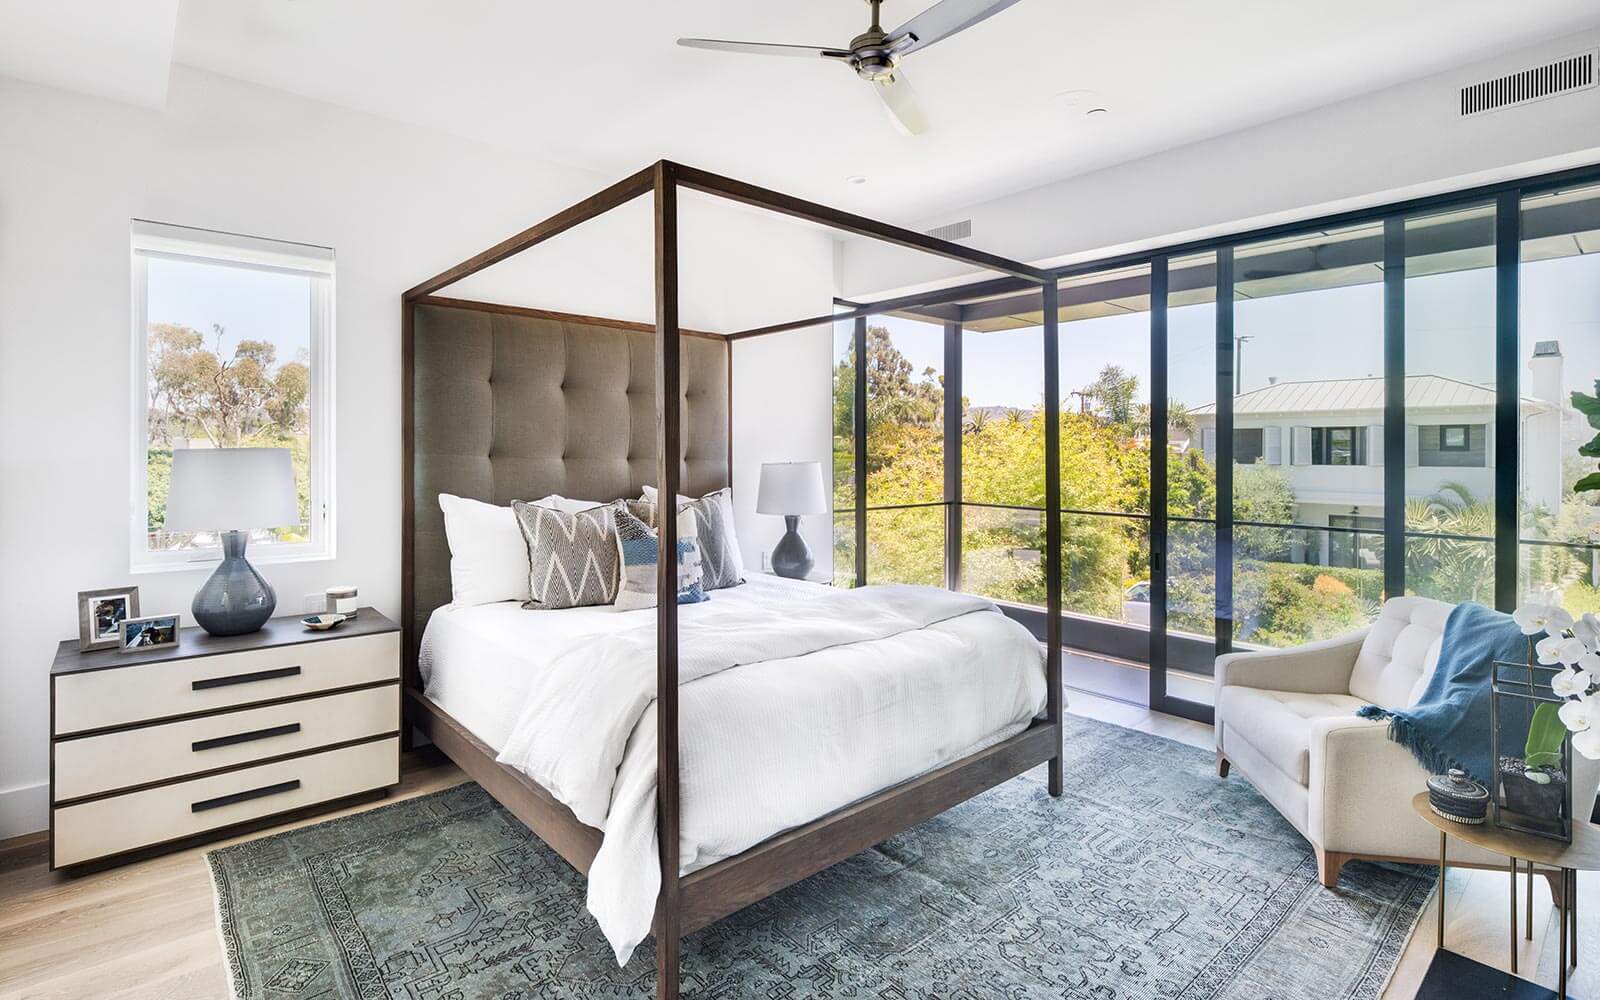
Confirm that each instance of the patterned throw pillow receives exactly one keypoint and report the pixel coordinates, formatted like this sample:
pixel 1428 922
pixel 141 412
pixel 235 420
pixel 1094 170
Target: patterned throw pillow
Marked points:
pixel 720 559
pixel 572 558
pixel 637 547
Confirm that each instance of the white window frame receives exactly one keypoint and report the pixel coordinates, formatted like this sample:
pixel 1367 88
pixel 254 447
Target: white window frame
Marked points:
pixel 152 239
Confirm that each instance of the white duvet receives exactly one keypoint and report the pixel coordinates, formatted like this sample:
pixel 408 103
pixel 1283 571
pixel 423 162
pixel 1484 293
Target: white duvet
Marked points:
pixel 794 701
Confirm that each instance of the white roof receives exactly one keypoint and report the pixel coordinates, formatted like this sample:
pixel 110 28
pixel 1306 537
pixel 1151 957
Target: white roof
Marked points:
pixel 1423 392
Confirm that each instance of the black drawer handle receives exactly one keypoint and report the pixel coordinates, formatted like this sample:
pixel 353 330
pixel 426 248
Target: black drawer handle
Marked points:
pixel 254 793
pixel 256 734
pixel 231 679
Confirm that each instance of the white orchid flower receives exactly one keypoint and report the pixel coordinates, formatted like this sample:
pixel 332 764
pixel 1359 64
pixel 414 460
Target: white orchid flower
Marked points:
pixel 1535 618
pixel 1571 651
pixel 1588 743
pixel 1587 628
pixel 1570 684
pixel 1590 662
pixel 1577 716
pixel 1548 650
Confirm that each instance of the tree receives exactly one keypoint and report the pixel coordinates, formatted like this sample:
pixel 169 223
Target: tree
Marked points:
pixel 194 391
pixel 1112 394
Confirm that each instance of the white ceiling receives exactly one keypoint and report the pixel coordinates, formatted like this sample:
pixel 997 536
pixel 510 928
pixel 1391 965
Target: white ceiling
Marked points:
pixel 604 86
pixel 121 49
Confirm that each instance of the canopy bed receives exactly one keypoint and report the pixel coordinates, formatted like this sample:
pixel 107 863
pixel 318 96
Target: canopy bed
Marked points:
pixel 506 403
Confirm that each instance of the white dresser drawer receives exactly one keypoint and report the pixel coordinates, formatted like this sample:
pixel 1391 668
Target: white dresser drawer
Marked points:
pixel 97 699
pixel 120 823
pixel 91 765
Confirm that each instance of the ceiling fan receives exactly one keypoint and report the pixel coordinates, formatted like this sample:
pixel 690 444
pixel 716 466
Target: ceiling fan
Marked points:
pixel 875 54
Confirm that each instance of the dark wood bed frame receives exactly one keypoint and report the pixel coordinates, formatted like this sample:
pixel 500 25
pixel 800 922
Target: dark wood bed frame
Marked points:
pixel 690 902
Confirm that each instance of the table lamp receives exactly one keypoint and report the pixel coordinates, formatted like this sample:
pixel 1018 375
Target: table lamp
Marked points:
pixel 231 491
pixel 791 489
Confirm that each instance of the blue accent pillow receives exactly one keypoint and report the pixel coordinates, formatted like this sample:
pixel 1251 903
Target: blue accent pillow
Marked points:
pixel 637 546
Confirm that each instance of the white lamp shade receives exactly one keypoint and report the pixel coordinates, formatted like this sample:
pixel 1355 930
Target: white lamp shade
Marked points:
pixel 231 489
pixel 791 488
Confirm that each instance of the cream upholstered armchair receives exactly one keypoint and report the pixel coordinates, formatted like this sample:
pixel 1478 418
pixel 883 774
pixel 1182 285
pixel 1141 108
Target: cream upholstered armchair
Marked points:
pixel 1286 719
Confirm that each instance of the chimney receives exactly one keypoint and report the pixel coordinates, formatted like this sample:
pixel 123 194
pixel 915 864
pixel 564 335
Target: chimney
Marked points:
pixel 1541 462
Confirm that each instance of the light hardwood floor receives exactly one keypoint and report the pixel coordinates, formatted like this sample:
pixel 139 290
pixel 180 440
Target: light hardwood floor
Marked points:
pixel 147 930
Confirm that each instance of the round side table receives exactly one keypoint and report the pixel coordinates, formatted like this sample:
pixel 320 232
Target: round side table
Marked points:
pixel 1583 854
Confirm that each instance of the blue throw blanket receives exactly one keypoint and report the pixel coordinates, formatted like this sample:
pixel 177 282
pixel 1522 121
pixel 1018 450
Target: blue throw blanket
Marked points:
pixel 1449 725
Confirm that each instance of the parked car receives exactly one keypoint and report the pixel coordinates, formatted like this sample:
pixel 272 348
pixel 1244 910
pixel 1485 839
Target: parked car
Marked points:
pixel 1136 604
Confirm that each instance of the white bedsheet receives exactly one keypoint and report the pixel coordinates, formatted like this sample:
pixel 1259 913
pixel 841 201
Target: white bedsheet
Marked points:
pixel 765 746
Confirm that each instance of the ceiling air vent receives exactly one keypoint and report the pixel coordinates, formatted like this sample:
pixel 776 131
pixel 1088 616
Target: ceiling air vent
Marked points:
pixel 1550 80
pixel 954 231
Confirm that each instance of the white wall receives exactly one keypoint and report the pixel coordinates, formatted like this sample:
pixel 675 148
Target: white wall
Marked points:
pixel 398 203
pixel 1400 142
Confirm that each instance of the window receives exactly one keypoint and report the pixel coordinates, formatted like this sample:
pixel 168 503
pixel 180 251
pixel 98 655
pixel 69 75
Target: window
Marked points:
pixel 1359 548
pixel 1249 445
pixel 1455 437
pixel 1338 446
pixel 233 344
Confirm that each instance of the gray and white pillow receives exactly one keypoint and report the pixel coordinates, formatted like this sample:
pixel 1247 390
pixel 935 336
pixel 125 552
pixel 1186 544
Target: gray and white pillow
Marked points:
pixel 721 563
pixel 572 557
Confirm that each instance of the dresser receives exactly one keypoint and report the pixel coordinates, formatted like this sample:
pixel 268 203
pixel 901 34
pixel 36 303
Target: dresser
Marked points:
pixel 166 747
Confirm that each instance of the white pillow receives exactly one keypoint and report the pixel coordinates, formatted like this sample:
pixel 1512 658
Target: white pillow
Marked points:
pixel 556 501
pixel 725 501
pixel 488 555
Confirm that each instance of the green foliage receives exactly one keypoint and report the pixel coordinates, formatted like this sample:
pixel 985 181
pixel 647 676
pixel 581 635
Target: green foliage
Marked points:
pixel 1546 734
pixel 1589 406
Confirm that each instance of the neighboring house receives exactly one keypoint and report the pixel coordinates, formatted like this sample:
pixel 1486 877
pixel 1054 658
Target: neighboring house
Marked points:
pixel 1328 436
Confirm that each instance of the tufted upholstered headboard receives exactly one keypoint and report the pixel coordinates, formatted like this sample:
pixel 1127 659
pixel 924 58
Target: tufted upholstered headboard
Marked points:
pixel 512 404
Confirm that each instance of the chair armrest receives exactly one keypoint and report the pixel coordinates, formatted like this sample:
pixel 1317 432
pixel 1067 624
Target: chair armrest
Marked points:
pixel 1315 668
pixel 1361 788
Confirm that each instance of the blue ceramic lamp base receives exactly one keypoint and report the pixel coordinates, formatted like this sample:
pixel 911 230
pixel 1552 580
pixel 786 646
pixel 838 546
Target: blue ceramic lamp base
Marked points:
pixel 791 557
pixel 236 599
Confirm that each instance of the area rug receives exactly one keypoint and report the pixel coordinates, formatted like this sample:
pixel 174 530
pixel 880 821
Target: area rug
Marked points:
pixel 1151 878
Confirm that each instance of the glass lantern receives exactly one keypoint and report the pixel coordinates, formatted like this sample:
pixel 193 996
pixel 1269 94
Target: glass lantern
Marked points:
pixel 1532 750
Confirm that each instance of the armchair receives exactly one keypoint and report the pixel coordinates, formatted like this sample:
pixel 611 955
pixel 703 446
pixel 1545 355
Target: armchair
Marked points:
pixel 1286 719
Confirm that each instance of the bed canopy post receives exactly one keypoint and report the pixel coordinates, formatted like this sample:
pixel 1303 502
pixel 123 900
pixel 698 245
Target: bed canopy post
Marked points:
pixel 668 453
pixel 1052 529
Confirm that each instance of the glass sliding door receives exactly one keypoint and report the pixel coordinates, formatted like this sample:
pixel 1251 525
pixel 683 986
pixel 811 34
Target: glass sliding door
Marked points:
pixel 843 387
pixel 1191 501
pixel 1308 436
pixel 1558 362
pixel 1450 448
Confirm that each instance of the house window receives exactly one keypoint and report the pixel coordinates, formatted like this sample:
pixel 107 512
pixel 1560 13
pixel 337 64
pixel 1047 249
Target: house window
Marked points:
pixel 1338 446
pixel 1249 445
pixel 1358 548
pixel 232 347
pixel 1455 437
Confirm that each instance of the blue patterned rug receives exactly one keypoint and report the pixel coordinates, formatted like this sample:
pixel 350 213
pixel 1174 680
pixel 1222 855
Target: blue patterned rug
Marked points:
pixel 1150 879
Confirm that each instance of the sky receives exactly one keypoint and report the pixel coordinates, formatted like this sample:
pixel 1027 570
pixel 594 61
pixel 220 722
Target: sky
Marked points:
pixel 248 303
pixel 1323 334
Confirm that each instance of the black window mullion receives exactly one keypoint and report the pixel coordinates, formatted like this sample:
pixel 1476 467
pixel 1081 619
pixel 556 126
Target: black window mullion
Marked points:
pixel 1224 464
pixel 1507 261
pixel 952 455
pixel 1158 482
pixel 1394 406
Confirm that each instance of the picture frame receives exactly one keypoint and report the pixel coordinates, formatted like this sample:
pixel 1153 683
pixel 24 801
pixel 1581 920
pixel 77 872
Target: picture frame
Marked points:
pixel 137 635
pixel 101 614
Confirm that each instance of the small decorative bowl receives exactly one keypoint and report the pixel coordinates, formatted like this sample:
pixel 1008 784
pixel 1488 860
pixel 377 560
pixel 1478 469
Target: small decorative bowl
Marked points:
pixel 1458 798
pixel 323 622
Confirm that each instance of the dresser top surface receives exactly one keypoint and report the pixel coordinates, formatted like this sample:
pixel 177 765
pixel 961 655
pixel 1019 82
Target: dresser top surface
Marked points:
pixel 194 641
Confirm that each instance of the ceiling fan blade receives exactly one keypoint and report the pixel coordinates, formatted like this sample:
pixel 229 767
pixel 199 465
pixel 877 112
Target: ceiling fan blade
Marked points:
pixel 901 102
pixel 941 21
pixel 764 48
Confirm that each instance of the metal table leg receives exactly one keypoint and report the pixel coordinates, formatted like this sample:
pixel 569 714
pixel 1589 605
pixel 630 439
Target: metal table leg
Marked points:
pixel 1527 924
pixel 1566 901
pixel 1572 908
pixel 1512 867
pixel 1440 943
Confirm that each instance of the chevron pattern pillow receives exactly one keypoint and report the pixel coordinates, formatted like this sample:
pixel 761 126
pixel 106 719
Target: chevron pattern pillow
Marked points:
pixel 572 558
pixel 719 547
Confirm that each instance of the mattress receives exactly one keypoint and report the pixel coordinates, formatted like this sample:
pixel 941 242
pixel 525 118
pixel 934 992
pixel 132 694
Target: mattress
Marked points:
pixel 765 746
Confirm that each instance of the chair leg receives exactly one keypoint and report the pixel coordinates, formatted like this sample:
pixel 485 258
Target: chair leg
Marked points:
pixel 1329 865
pixel 1222 765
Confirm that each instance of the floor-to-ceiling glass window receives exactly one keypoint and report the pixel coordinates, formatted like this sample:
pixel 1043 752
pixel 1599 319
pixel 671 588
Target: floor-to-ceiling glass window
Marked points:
pixel 1450 404
pixel 905 450
pixel 844 454
pixel 1191 553
pixel 1308 435
pixel 1558 364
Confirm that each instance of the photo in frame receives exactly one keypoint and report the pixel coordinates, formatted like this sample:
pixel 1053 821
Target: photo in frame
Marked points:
pixel 149 632
pixel 101 614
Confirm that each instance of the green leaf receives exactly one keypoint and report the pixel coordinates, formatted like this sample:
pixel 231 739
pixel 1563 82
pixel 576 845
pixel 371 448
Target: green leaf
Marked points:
pixel 1587 484
pixel 1592 449
pixel 1589 406
pixel 1546 734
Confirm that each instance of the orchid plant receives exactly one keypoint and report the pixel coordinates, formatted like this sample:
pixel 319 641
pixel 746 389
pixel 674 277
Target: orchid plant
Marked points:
pixel 1574 645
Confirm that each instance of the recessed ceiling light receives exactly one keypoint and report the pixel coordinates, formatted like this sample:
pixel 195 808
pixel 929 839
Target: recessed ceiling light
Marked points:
pixel 856 179
pixel 1096 113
